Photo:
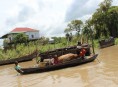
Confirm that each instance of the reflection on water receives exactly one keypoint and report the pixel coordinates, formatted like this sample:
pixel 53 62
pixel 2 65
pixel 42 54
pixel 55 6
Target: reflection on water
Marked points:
pixel 93 74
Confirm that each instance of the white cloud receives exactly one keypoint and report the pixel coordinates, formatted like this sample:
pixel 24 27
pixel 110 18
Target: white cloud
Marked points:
pixel 115 2
pixel 80 8
pixel 43 14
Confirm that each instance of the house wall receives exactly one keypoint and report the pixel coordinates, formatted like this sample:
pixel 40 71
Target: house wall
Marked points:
pixel 33 35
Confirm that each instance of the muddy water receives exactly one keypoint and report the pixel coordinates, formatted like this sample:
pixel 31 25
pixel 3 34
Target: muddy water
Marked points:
pixel 94 74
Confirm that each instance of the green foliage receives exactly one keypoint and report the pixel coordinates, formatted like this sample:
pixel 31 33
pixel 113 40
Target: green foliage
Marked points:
pixel 20 38
pixel 44 40
pixel 113 21
pixel 21 50
pixel 105 20
pixel 74 25
pixel 5 43
pixel 67 30
pixel 87 30
pixel 105 5
pixel 116 41
pixel 57 39
pixel 96 44
pixel 69 36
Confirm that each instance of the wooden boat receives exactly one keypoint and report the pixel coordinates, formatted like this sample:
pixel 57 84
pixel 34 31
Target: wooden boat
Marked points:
pixel 62 51
pixel 20 59
pixel 70 63
pixel 107 42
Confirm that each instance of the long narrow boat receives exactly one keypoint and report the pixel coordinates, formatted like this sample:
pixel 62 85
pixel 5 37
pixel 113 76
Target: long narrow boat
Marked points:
pixel 66 50
pixel 107 42
pixel 71 63
pixel 20 59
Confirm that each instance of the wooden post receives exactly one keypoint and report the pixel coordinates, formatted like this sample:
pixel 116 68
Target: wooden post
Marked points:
pixel 93 43
pixel 92 40
pixel 67 42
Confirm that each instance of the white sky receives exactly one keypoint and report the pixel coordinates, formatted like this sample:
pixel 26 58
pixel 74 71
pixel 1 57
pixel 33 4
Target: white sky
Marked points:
pixel 49 16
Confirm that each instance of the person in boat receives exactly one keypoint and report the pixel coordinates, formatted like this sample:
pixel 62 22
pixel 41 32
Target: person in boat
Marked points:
pixel 55 60
pixel 46 62
pixel 18 67
pixel 51 60
pixel 81 52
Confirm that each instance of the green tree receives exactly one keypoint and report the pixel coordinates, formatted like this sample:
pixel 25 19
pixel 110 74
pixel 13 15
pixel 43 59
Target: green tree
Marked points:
pixel 67 30
pixel 112 23
pixel 104 6
pixel 44 40
pixel 86 31
pixel 105 20
pixel 57 39
pixel 75 25
pixel 20 38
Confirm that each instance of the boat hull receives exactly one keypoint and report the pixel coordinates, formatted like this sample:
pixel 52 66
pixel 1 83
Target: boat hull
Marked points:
pixel 71 63
pixel 106 43
pixel 20 59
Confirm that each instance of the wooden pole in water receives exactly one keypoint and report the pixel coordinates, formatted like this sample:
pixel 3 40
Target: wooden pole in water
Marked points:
pixel 93 43
pixel 92 40
pixel 67 41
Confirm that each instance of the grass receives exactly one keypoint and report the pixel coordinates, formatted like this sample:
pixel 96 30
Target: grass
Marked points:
pixel 21 50
pixel 116 41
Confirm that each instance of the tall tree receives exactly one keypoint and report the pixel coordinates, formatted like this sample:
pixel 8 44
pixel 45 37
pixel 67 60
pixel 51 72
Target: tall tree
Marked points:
pixel 75 25
pixel 67 30
pixel 105 20
pixel 86 31
pixel 105 5
pixel 112 23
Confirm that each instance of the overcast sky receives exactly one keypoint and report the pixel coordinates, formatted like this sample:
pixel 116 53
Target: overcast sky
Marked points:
pixel 49 16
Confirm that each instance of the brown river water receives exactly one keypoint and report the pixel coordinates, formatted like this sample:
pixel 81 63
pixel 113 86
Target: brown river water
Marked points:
pixel 94 74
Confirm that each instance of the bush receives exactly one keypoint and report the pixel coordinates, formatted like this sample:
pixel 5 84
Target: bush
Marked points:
pixel 116 41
